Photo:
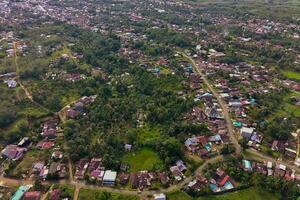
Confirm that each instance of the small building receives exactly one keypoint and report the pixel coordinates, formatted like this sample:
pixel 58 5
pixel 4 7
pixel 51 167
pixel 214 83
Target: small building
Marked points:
pixel 247 132
pixel 12 83
pixel 160 196
pixel 13 152
pixel 35 195
pixel 109 177
pixel 20 192
pixel 55 194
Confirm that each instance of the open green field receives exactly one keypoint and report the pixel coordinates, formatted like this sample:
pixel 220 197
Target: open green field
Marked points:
pixel 145 159
pixel 247 194
pixel 291 75
pixel 98 195
pixel 178 195
pixel 288 107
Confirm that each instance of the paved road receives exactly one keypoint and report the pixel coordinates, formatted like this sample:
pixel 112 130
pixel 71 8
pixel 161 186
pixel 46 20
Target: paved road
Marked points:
pixel 222 104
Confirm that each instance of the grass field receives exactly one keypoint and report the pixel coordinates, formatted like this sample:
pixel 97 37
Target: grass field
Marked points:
pixel 247 194
pixel 291 75
pixel 98 195
pixel 288 107
pixel 145 159
pixel 178 195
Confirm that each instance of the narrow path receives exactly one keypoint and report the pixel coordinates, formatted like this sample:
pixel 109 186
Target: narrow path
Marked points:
pixel 76 193
pixel 18 79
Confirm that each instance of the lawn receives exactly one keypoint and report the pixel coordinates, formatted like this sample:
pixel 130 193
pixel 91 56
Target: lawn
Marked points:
pixel 178 195
pixel 98 195
pixel 291 75
pixel 144 159
pixel 287 107
pixel 247 194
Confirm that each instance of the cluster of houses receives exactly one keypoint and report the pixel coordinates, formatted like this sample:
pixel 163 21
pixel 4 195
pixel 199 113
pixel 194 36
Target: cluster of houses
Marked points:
pixel 79 106
pixel 204 146
pixel 10 39
pixel 218 182
pixel 54 167
pixel 95 171
pixel 268 168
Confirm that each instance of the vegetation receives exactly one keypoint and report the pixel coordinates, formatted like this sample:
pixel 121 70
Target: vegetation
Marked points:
pixel 246 194
pixel 145 159
pixel 178 195
pixel 292 75
pixel 103 195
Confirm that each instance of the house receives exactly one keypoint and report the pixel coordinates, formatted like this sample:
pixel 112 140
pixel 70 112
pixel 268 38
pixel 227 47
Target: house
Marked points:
pixel 45 144
pixel 163 177
pixel 97 174
pixel 197 183
pixel 13 152
pixel 192 144
pixel 178 175
pixel 123 178
pixel 54 168
pixel 181 165
pixel 247 132
pixel 202 140
pixel 109 177
pixel 159 196
pixel 25 142
pixel 141 179
pixel 221 182
pixel 20 192
pixel 215 138
pixel 49 128
pixel 55 194
pixel 35 195
pixel 72 114
pixel 12 83
pixel 81 168
pixel 280 170
pixel 38 166
pixel 290 153
pixel 247 165
pixel 56 155
pixel 44 173
pixel 127 147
